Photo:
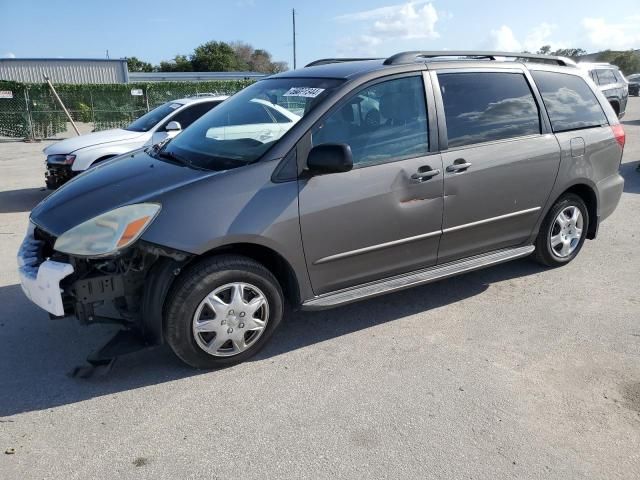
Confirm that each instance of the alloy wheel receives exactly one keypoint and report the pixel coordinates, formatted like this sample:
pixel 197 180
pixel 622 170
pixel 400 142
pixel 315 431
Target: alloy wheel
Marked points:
pixel 566 232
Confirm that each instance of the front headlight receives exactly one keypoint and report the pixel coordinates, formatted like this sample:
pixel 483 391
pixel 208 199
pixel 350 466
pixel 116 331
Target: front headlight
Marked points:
pixel 109 232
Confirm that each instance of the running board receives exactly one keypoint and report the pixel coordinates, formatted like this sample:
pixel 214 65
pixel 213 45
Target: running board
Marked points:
pixel 412 279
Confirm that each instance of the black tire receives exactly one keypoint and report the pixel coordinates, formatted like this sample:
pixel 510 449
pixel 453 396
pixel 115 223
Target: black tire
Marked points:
pixel 198 281
pixel 544 253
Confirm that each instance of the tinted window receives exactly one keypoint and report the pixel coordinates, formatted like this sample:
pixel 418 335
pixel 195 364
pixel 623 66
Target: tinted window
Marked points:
pixel 190 114
pixel 606 77
pixel 381 123
pixel 151 119
pixel 481 107
pixel 569 100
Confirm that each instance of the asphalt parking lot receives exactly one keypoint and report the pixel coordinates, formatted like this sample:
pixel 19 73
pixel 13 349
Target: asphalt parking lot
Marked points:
pixel 511 372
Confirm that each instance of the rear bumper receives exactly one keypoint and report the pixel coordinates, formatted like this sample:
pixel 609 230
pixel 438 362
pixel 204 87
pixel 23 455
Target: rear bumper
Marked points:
pixel 40 279
pixel 609 192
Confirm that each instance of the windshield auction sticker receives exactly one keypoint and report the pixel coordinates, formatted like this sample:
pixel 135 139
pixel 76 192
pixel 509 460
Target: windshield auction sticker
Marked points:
pixel 303 92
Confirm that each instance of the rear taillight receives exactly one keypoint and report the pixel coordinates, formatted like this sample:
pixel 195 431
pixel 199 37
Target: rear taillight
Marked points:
pixel 618 133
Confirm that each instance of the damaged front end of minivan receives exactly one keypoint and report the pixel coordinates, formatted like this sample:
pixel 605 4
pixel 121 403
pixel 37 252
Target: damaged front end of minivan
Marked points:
pixel 125 287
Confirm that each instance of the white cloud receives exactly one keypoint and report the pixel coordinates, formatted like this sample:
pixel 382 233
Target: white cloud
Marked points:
pixel 503 39
pixel 541 35
pixel 9 55
pixel 411 20
pixel 616 36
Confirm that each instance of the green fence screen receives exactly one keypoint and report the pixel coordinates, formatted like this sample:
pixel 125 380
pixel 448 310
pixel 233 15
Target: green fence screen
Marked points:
pixel 31 111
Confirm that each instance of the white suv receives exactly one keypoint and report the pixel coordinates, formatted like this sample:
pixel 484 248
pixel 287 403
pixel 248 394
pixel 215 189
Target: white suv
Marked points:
pixel 72 156
pixel 611 83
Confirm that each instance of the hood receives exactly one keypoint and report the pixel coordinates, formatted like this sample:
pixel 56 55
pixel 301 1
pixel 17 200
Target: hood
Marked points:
pixel 70 145
pixel 134 178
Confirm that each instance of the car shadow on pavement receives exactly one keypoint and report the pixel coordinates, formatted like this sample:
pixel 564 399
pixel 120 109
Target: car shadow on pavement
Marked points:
pixel 631 177
pixel 13 201
pixel 37 353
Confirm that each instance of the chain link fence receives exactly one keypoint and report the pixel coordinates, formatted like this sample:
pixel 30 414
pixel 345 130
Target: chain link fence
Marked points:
pixel 31 111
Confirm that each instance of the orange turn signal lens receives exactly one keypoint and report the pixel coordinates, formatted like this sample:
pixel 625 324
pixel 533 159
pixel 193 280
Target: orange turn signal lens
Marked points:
pixel 131 231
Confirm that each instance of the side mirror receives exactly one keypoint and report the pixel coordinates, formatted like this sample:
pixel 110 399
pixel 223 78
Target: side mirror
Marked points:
pixel 173 126
pixel 330 158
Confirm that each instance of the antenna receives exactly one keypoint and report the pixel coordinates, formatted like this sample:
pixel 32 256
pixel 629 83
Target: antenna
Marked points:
pixel 293 12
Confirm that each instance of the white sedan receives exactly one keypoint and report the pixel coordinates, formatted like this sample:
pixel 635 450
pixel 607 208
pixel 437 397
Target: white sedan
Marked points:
pixel 72 156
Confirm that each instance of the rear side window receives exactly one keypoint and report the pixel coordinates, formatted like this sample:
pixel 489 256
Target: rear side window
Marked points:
pixel 190 114
pixel 605 76
pixel 569 100
pixel 482 107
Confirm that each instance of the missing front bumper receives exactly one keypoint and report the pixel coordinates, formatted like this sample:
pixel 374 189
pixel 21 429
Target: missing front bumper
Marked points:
pixel 40 279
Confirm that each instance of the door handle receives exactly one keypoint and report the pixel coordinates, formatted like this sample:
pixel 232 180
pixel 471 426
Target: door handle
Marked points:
pixel 459 165
pixel 425 173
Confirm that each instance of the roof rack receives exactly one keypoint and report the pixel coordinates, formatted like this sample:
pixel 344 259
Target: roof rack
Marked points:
pixel 326 61
pixel 410 57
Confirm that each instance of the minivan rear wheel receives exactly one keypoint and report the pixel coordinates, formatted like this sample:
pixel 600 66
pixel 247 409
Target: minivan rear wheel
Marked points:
pixel 562 232
pixel 222 311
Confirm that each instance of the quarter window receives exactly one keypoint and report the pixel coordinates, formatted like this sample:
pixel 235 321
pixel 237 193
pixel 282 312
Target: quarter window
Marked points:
pixel 381 123
pixel 482 107
pixel 605 77
pixel 569 100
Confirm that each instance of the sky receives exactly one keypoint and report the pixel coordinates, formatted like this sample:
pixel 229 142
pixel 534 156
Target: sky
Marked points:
pixel 159 29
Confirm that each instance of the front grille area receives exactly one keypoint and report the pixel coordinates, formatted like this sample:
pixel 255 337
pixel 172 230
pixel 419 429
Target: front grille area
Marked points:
pixel 48 241
pixel 57 175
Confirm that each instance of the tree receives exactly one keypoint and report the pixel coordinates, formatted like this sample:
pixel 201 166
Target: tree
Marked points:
pixel 180 63
pixel 544 50
pixel 214 57
pixel 136 65
pixel 560 52
pixel 224 57
pixel 256 60
pixel 570 52
pixel 243 52
pixel 627 61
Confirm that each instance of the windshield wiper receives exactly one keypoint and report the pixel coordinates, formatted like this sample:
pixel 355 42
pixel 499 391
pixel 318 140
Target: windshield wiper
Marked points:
pixel 172 156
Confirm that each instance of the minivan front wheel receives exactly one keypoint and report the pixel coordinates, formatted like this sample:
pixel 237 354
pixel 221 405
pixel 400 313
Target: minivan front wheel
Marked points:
pixel 563 231
pixel 222 311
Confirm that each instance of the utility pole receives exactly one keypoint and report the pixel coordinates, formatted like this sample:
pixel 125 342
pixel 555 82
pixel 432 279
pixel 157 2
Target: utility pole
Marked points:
pixel 107 54
pixel 293 11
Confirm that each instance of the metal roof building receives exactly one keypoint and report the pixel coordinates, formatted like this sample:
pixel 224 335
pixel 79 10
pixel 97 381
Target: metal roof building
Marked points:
pixel 192 76
pixel 64 70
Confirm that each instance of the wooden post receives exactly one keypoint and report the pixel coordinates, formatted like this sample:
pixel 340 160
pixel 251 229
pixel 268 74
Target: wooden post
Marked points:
pixel 55 94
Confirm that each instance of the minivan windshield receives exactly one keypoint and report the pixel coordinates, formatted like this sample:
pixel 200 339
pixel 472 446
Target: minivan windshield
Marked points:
pixel 151 119
pixel 241 129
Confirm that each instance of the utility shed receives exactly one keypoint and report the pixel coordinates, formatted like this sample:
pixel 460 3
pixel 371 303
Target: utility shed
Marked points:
pixel 64 70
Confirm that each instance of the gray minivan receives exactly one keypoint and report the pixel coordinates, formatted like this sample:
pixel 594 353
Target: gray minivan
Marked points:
pixel 396 172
